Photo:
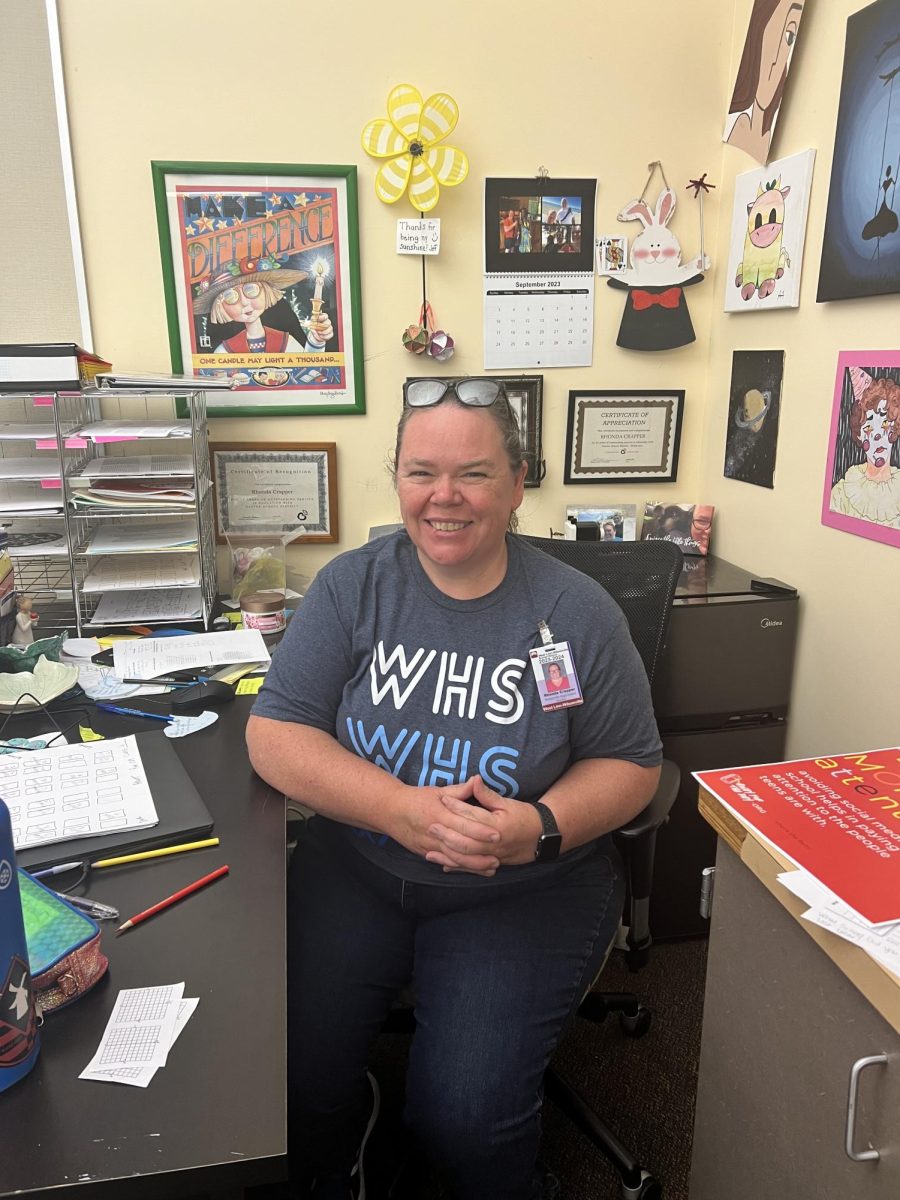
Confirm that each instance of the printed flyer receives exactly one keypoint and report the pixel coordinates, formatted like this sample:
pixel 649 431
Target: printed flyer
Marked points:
pixel 837 817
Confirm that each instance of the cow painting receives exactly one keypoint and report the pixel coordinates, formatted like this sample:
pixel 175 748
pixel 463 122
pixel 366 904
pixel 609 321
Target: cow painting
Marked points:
pixel 765 258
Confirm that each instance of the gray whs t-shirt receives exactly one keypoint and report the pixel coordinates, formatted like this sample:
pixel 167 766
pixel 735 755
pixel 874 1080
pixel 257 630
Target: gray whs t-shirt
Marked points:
pixel 435 690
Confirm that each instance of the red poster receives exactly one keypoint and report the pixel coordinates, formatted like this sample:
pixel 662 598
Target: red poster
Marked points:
pixel 837 817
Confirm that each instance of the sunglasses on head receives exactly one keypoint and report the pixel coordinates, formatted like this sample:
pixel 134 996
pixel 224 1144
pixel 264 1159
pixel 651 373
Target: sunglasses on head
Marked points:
pixel 476 392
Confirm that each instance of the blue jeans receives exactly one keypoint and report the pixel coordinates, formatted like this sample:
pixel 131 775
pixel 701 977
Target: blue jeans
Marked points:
pixel 497 972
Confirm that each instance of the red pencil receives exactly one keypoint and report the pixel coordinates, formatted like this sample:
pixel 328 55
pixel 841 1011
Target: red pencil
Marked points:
pixel 185 891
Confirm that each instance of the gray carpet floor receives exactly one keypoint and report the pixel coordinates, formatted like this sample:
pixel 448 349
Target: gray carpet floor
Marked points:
pixel 643 1088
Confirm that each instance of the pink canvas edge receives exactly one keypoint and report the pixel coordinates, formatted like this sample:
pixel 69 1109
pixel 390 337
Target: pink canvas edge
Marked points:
pixel 853 358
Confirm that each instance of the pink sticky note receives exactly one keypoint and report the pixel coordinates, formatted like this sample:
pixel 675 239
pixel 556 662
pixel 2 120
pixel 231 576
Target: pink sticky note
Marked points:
pixel 99 440
pixel 51 483
pixel 72 443
pixel 45 444
pixel 42 401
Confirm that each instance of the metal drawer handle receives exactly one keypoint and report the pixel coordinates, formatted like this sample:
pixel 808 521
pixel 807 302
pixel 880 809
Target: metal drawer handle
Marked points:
pixel 855 1071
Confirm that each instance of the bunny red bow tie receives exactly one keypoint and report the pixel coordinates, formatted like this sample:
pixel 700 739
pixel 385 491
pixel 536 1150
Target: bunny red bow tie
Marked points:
pixel 667 299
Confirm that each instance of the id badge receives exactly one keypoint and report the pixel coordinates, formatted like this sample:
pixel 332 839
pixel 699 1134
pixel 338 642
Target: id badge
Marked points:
pixel 555 675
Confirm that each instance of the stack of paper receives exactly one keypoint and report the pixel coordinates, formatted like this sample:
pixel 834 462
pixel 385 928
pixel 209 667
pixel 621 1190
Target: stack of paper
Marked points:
pixel 176 383
pixel 154 604
pixel 30 468
pixel 128 493
pixel 145 658
pixel 36 543
pixel 132 537
pixel 28 431
pixel 119 430
pixel 137 466
pixel 142 1028
pixel 121 572
pixel 29 498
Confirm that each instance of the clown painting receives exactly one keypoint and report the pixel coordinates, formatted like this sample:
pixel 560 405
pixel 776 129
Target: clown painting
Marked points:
pixel 862 480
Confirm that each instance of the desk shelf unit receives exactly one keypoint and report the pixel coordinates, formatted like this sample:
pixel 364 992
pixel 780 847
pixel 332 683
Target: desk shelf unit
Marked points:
pixel 51 547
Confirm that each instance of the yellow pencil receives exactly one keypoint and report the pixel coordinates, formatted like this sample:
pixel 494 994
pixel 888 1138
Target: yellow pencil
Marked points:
pixel 128 858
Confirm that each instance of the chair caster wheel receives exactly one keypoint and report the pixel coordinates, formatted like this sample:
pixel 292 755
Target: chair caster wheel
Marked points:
pixel 637 1025
pixel 649 1189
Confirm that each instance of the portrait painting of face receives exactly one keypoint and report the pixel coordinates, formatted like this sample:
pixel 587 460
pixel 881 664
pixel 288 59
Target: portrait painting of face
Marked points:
pixel 762 75
pixel 751 440
pixel 862 476
pixel 861 242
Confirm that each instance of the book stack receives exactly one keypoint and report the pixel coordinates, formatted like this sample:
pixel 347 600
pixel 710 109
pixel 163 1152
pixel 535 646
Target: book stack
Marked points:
pixel 54 366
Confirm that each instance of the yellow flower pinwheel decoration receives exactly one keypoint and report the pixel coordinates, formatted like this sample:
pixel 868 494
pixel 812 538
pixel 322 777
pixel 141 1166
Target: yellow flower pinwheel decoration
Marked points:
pixel 409 139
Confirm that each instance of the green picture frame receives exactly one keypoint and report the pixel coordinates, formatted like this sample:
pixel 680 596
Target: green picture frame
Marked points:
pixel 262 284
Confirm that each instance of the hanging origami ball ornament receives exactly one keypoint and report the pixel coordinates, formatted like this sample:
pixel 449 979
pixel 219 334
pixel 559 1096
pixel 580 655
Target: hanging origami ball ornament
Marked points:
pixel 409 139
pixel 415 339
pixel 441 346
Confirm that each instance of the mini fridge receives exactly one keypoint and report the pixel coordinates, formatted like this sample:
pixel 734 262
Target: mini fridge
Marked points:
pixel 722 697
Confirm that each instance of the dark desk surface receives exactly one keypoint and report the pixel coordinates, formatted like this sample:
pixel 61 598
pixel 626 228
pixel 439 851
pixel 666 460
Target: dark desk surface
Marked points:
pixel 215 1117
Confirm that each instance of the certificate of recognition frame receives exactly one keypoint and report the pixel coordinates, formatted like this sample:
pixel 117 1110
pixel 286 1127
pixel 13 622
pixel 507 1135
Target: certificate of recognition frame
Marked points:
pixel 275 489
pixel 261 280
pixel 623 436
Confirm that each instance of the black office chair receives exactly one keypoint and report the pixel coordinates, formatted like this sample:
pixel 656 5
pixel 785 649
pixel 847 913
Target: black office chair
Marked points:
pixel 641 577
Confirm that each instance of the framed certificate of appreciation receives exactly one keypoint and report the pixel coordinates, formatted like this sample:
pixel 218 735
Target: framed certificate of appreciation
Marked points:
pixel 275 488
pixel 623 436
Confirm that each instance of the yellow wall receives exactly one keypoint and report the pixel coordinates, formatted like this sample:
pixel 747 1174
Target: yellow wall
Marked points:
pixel 585 91
pixel 845 690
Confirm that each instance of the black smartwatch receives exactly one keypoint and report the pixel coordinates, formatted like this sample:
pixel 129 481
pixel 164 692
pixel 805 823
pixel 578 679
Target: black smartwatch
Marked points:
pixel 549 843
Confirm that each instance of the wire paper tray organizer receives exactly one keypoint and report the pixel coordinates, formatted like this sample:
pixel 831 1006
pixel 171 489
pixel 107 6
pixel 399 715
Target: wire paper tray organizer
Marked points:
pixel 46 427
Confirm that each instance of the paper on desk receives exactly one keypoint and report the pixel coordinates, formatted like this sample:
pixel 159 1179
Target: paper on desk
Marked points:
pixel 142 1028
pixel 882 942
pixel 145 658
pixel 67 792
pixel 102 683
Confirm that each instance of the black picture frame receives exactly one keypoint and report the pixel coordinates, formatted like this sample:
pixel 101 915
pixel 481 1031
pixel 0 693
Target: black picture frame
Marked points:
pixel 526 397
pixel 623 436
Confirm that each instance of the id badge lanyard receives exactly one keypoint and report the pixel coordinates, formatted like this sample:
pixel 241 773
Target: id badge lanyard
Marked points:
pixel 554 672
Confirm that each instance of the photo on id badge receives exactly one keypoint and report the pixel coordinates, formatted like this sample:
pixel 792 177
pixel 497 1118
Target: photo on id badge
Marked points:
pixel 555 674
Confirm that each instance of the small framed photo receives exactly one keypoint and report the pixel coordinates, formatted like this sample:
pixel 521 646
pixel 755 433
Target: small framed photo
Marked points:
pixel 525 395
pixel 261 279
pixel 623 436
pixel 275 489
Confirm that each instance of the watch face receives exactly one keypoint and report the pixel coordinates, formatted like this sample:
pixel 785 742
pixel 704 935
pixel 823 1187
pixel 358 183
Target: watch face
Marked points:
pixel 548 847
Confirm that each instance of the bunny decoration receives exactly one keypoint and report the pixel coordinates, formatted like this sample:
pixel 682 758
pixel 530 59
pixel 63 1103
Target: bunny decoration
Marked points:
pixel 656 314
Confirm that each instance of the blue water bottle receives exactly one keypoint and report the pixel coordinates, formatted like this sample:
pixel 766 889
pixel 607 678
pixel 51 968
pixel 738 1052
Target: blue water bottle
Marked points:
pixel 19 1043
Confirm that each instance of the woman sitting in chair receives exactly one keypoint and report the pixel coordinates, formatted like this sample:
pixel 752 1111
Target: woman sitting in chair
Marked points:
pixel 461 837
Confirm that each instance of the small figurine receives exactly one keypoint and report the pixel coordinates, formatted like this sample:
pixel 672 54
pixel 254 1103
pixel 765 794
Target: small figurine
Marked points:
pixel 25 619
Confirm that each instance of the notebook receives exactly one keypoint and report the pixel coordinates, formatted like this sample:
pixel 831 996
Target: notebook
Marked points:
pixel 183 817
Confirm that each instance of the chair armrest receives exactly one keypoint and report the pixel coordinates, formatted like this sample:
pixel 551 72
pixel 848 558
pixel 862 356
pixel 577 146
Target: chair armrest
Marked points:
pixel 637 844
pixel 657 811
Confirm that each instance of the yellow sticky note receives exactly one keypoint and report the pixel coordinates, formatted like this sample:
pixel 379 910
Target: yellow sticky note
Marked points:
pixel 249 687
pixel 88 735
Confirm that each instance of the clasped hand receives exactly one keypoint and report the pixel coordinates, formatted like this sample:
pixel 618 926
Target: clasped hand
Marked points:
pixel 472 828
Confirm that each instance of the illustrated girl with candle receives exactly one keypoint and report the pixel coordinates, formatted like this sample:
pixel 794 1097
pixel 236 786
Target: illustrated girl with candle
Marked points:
pixel 241 292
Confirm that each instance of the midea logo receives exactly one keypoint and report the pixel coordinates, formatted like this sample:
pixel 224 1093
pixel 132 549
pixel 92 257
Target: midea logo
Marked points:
pixel 768 623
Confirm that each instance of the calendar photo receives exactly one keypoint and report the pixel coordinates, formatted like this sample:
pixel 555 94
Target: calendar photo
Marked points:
pixel 539 225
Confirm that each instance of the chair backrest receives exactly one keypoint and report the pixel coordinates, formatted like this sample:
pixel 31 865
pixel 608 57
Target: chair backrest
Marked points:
pixel 640 576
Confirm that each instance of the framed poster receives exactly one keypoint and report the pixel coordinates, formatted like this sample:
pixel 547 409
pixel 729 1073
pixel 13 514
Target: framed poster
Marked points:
pixel 862 474
pixel 275 489
pixel 261 278
pixel 861 244
pixel 623 437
